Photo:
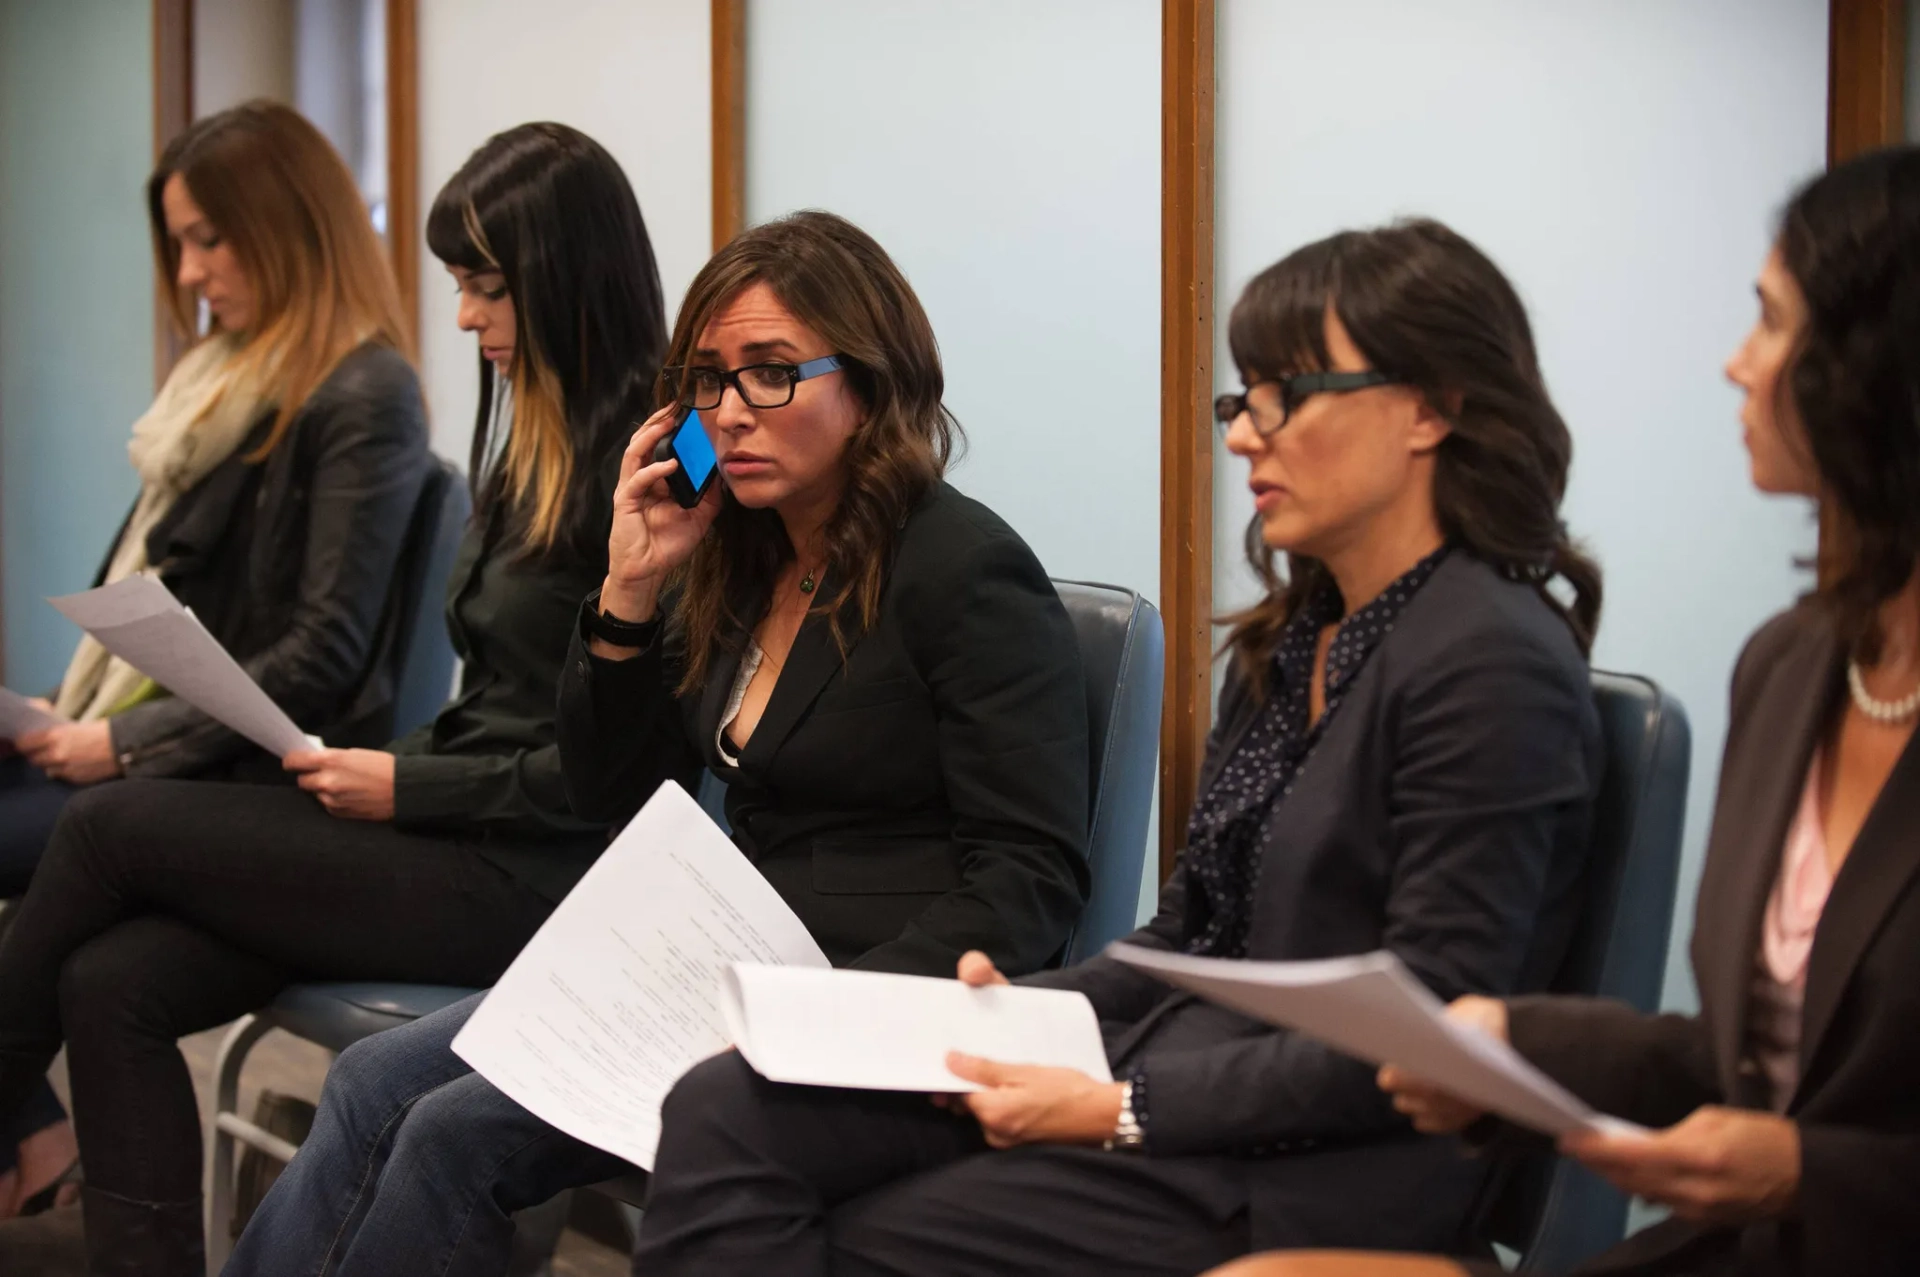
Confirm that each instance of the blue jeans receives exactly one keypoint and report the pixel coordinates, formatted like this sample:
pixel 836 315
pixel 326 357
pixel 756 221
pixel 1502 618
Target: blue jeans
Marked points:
pixel 416 1165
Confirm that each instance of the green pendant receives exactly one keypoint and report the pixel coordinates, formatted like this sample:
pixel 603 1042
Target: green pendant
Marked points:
pixel 806 584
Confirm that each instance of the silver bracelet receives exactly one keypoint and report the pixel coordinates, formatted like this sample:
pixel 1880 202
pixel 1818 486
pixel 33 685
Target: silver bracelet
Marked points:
pixel 1127 1136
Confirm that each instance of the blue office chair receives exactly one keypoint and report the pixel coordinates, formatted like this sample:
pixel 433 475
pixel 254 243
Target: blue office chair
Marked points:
pixel 1122 647
pixel 426 668
pixel 1554 1212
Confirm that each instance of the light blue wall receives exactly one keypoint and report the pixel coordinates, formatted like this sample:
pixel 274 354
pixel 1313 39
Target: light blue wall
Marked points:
pixel 1007 155
pixel 76 302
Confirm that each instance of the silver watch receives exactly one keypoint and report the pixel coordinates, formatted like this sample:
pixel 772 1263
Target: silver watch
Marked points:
pixel 1127 1136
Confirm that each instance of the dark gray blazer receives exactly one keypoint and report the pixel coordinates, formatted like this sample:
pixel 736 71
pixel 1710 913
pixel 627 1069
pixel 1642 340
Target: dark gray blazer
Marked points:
pixel 1858 1102
pixel 1443 816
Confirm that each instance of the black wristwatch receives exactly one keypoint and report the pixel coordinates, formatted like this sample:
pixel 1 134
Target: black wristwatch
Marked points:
pixel 611 629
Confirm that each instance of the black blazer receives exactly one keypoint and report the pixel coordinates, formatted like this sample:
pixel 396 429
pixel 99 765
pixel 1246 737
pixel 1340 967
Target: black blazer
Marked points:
pixel 1858 1101
pixel 925 796
pixel 293 564
pixel 1444 816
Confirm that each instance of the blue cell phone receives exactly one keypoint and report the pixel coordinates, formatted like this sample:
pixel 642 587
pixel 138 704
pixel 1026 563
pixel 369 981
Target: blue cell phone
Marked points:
pixel 689 445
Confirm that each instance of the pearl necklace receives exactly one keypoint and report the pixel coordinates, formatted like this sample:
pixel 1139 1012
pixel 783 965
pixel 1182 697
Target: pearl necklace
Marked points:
pixel 1880 711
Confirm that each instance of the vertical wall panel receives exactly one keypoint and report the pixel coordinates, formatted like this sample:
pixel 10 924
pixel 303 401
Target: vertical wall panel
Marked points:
pixel 1007 154
pixel 1623 161
pixel 633 74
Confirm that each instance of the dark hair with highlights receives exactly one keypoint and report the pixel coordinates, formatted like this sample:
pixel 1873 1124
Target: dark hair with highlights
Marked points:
pixel 1426 306
pixel 548 208
pixel 839 282
pixel 1851 240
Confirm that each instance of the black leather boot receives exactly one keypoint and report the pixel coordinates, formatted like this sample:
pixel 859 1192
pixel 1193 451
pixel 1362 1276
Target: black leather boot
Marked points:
pixel 126 1238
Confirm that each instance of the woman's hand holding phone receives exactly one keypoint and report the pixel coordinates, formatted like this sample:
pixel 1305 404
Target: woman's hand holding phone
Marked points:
pixel 652 533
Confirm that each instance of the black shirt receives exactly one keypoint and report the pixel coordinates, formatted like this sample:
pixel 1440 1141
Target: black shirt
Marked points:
pixel 487 765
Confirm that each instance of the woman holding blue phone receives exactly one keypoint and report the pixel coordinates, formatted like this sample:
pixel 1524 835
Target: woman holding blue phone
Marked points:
pixel 877 665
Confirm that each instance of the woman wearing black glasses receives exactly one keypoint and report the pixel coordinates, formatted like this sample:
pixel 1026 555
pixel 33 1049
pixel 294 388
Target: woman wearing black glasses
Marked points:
pixel 877 665
pixel 1406 758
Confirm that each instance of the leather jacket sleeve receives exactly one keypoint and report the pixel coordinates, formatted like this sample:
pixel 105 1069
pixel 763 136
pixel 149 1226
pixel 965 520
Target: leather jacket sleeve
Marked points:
pixel 363 436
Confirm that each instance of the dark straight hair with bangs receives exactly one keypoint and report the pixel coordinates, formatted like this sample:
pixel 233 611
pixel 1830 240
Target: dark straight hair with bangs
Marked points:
pixel 547 207
pixel 1851 240
pixel 1427 307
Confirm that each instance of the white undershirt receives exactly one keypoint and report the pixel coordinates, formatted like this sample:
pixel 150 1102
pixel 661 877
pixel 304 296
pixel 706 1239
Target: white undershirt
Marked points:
pixel 749 666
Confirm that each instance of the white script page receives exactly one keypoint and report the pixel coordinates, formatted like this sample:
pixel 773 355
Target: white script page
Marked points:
pixel 618 994
pixel 19 715
pixel 1372 1007
pixel 140 621
pixel 885 1032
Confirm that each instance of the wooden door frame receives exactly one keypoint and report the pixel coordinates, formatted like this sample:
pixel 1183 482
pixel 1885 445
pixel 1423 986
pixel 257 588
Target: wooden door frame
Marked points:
pixel 1186 396
pixel 729 39
pixel 1866 76
pixel 405 232
pixel 173 111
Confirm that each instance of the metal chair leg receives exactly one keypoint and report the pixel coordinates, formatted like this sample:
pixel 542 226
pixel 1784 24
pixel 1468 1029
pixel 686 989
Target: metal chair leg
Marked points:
pixel 226 1102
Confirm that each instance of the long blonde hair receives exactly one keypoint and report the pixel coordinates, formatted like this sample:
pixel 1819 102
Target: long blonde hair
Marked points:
pixel 279 193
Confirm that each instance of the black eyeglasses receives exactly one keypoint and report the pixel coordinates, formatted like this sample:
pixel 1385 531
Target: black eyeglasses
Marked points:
pixel 1292 391
pixel 758 385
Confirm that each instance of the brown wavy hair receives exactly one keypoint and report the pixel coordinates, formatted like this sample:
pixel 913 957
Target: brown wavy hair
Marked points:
pixel 1851 240
pixel 838 281
pixel 1426 306
pixel 275 189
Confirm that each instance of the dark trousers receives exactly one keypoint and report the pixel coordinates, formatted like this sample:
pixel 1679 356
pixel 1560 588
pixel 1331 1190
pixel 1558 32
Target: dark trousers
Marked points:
pixel 163 908
pixel 30 804
pixel 755 1177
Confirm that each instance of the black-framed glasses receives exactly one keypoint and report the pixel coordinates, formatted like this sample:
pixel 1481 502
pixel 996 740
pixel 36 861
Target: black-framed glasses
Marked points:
pixel 768 385
pixel 1269 412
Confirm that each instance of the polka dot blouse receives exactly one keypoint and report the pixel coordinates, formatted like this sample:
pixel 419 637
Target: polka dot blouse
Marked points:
pixel 1226 831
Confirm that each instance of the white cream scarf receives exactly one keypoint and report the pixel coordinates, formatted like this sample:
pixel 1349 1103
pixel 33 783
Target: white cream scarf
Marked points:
pixel 201 415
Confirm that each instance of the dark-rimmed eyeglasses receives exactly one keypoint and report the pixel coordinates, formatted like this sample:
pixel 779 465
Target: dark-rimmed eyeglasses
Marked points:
pixel 1269 412
pixel 768 385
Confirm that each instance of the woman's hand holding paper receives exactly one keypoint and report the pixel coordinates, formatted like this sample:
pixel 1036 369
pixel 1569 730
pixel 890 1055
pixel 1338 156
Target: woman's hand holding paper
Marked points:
pixel 1434 1111
pixel 1719 1166
pixel 1026 1103
pixel 356 784
pixel 77 753
pixel 1035 1104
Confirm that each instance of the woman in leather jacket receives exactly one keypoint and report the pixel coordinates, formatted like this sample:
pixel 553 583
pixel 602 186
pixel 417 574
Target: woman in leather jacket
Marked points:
pixel 279 470
pixel 163 908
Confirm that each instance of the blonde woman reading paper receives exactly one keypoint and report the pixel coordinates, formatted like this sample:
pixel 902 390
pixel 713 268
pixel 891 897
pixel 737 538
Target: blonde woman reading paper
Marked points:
pixel 279 468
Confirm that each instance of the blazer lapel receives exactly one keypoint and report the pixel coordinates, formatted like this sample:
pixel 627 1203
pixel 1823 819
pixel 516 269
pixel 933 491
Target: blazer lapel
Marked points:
pixel 1760 789
pixel 1885 855
pixel 813 660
